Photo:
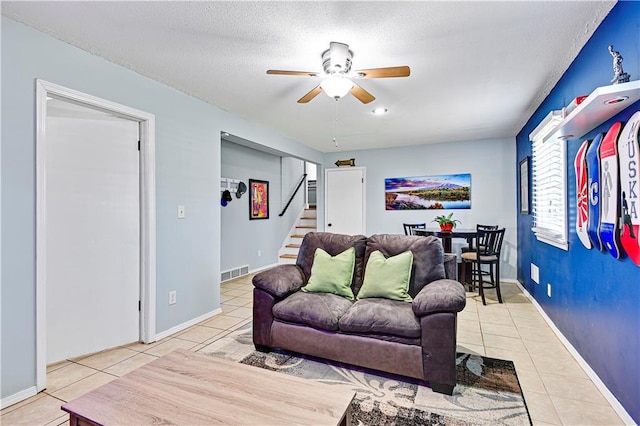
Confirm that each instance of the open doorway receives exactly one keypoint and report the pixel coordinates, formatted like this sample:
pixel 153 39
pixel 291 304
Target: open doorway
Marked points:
pixel 92 233
pixel 75 181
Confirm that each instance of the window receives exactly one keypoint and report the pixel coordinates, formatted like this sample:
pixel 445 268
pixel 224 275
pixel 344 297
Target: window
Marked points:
pixel 549 198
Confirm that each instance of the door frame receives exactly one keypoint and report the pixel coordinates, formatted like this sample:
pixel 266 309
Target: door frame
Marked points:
pixel 364 194
pixel 146 123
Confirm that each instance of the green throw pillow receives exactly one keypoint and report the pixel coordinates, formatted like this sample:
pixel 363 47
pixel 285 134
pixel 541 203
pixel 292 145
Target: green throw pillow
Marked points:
pixel 387 278
pixel 332 274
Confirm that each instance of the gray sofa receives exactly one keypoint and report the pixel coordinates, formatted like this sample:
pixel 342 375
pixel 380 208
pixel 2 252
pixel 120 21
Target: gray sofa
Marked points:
pixel 414 339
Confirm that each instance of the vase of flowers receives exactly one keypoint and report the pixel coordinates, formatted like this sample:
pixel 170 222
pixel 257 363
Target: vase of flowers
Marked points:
pixel 446 222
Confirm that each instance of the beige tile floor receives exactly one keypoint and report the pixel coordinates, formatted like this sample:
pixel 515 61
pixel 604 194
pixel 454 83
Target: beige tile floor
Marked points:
pixel 556 389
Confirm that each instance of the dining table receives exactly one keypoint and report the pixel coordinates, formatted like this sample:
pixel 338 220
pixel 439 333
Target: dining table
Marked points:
pixel 447 236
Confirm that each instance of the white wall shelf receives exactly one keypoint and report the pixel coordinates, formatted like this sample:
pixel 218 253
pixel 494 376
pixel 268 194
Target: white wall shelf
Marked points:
pixel 602 104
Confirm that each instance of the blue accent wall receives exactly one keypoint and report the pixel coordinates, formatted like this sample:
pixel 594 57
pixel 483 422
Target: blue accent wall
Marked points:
pixel 596 299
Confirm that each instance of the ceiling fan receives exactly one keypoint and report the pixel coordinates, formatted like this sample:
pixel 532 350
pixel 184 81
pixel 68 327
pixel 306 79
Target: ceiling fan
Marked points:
pixel 336 62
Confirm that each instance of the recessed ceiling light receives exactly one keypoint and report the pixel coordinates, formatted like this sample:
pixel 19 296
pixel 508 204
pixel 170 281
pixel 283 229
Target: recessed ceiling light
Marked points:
pixel 380 111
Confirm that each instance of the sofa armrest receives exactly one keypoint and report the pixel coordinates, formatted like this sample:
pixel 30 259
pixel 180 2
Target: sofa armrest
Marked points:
pixel 440 296
pixel 280 281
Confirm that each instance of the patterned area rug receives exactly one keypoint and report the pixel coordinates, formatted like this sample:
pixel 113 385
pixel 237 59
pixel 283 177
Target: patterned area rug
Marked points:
pixel 487 392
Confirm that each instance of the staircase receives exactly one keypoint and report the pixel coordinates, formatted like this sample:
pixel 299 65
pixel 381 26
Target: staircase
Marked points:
pixel 305 223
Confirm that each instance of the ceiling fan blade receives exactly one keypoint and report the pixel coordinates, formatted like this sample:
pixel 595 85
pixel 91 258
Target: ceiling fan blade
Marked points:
pixel 362 95
pixel 312 94
pixel 283 72
pixel 402 71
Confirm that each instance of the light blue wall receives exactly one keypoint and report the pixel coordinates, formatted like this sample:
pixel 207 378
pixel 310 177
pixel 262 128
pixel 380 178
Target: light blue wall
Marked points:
pixel 493 187
pixel 596 299
pixel 187 135
pixel 187 173
pixel 243 238
pixel 268 140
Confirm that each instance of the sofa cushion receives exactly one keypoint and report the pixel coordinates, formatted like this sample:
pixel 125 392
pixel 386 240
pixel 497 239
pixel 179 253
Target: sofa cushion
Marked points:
pixel 381 316
pixel 428 256
pixel 332 274
pixel 387 278
pixel 332 244
pixel 317 310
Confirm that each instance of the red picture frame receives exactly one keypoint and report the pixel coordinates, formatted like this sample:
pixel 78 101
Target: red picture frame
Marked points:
pixel 258 199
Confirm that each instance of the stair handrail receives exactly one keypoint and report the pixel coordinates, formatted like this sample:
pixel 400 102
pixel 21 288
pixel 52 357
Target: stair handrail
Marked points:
pixel 304 176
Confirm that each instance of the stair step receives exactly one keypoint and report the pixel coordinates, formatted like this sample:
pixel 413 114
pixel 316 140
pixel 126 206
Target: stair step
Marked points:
pixel 293 246
pixel 288 256
pixel 308 218
pixel 306 227
pixel 311 208
pixel 297 236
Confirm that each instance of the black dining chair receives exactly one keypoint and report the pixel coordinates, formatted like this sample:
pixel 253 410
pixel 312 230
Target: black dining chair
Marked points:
pixel 409 227
pixel 470 247
pixel 487 252
pixel 480 243
pixel 483 228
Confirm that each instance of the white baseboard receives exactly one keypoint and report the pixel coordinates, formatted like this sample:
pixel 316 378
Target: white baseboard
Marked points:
pixel 17 397
pixel 606 393
pixel 187 324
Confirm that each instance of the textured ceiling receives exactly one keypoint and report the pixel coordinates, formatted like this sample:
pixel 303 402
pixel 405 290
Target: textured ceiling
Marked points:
pixel 478 69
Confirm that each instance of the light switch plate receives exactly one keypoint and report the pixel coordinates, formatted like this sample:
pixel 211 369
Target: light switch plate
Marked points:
pixel 181 212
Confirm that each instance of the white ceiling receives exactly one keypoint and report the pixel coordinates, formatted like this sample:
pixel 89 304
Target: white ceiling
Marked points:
pixel 478 69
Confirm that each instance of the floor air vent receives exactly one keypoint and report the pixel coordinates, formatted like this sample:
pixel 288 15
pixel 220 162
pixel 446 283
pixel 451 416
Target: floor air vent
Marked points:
pixel 234 273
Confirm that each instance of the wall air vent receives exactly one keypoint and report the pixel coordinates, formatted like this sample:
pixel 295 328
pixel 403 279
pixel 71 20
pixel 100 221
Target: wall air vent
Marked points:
pixel 234 273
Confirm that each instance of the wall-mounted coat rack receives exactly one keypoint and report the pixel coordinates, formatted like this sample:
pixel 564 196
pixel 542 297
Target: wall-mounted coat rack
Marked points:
pixel 229 184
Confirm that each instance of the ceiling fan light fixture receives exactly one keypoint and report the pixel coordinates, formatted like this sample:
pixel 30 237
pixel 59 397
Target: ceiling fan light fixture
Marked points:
pixel 336 86
pixel 336 62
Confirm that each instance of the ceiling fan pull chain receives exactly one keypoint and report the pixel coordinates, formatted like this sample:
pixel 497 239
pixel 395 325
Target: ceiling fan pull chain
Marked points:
pixel 335 123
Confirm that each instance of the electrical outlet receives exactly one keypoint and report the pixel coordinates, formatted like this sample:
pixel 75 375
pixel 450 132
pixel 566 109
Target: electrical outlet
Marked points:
pixel 259 253
pixel 172 297
pixel 535 273
pixel 548 290
pixel 181 212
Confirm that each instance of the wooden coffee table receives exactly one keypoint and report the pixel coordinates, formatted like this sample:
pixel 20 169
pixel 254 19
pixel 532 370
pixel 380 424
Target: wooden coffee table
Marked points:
pixel 185 388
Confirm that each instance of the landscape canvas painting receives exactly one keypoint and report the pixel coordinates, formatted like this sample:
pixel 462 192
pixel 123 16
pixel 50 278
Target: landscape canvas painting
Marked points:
pixel 428 192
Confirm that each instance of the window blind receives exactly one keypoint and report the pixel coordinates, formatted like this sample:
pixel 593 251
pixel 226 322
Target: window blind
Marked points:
pixel 549 207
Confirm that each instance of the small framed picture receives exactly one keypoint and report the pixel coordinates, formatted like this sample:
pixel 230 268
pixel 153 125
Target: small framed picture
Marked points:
pixel 258 199
pixel 524 186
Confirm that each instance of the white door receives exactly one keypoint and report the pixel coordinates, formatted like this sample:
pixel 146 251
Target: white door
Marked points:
pixel 92 232
pixel 345 200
